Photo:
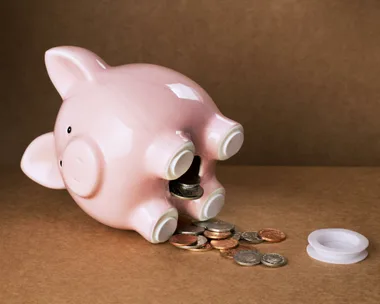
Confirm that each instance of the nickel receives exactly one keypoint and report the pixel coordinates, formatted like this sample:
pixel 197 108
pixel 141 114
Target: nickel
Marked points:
pixel 273 260
pixel 247 258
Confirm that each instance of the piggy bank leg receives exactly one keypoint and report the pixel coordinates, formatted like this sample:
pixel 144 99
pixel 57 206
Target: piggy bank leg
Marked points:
pixel 156 220
pixel 222 138
pixel 206 207
pixel 170 156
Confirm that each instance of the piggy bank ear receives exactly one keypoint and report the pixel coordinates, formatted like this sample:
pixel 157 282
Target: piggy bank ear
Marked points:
pixel 69 65
pixel 40 162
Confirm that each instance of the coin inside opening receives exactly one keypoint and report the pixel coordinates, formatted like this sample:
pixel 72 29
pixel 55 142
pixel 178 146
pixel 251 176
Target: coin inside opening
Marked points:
pixel 187 186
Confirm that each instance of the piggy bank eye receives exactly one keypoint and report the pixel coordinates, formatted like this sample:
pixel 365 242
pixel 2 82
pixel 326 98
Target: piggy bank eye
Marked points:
pixel 69 130
pixel 60 163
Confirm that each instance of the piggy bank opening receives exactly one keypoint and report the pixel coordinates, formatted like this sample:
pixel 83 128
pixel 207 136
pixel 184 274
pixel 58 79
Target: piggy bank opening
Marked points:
pixel 134 145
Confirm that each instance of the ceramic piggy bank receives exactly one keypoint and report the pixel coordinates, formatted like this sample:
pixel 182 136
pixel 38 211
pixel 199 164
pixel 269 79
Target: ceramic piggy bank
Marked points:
pixel 124 136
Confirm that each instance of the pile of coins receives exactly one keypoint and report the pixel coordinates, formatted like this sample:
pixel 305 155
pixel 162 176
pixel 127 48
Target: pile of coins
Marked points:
pixel 202 236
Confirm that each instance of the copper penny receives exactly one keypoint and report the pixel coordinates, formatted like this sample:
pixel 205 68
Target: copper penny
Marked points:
pixel 229 253
pixel 216 235
pixel 206 247
pixel 272 235
pixel 183 239
pixel 224 244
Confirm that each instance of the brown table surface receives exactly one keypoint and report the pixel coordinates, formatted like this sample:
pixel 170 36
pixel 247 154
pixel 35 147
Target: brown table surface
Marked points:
pixel 52 252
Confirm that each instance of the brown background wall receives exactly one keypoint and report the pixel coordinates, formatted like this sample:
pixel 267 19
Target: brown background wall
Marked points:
pixel 303 77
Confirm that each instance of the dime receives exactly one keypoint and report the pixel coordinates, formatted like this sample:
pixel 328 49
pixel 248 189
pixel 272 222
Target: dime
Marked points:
pixel 273 260
pixel 247 257
pixel 206 247
pixel 183 239
pixel 201 241
pixel 272 235
pixel 229 253
pixel 236 236
pixel 216 235
pixel 252 237
pixel 220 227
pixel 224 244
pixel 193 230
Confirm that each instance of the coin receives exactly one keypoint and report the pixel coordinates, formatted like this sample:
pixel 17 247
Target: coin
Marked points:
pixel 190 229
pixel 220 227
pixel 184 191
pixel 236 236
pixel 273 260
pixel 216 235
pixel 183 239
pixel 224 244
pixel 206 247
pixel 229 253
pixel 202 223
pixel 201 241
pixel 252 237
pixel 272 235
pixel 247 258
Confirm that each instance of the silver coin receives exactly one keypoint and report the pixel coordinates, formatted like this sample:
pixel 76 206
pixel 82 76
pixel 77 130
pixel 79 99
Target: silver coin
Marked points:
pixel 200 243
pixel 193 230
pixel 247 257
pixel 201 223
pixel 252 237
pixel 220 226
pixel 188 192
pixel 236 236
pixel 205 223
pixel 273 260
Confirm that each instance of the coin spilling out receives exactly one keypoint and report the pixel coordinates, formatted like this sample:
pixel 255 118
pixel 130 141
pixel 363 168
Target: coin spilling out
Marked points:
pixel 206 247
pixel 216 235
pixel 229 253
pixel 183 239
pixel 201 242
pixel 273 260
pixel 224 244
pixel 190 229
pixel 247 257
pixel 220 227
pixel 236 236
pixel 201 236
pixel 272 235
pixel 252 237
pixel 184 191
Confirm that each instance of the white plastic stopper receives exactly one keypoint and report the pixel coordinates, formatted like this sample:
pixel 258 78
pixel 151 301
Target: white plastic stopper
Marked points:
pixel 337 246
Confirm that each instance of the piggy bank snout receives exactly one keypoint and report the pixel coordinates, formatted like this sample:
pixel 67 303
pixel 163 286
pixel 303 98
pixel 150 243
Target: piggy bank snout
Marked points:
pixel 81 167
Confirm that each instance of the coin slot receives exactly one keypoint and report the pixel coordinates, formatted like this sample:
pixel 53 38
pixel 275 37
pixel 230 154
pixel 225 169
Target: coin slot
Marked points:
pixel 187 186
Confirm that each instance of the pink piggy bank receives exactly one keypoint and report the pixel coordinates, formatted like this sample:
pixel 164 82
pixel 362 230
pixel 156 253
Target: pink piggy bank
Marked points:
pixel 123 134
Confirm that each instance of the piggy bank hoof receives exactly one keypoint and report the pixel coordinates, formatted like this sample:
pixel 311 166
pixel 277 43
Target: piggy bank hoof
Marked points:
pixel 181 161
pixel 213 205
pixel 165 227
pixel 231 143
